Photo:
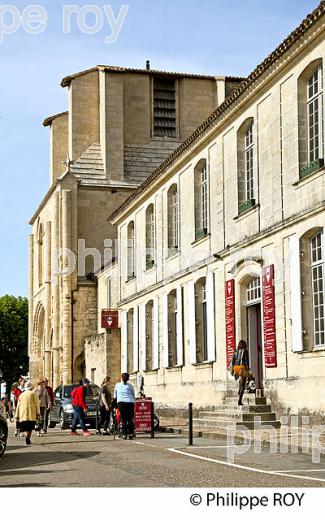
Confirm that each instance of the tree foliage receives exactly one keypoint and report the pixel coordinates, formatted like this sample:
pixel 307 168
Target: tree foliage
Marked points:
pixel 13 337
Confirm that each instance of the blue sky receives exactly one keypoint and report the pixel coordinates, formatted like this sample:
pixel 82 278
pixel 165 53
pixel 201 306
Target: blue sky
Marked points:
pixel 221 37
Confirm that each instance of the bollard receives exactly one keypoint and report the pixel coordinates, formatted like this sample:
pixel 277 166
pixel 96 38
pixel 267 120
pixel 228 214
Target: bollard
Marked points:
pixel 190 424
pixel 152 421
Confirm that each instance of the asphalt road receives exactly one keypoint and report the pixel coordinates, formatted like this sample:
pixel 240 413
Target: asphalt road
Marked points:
pixel 59 460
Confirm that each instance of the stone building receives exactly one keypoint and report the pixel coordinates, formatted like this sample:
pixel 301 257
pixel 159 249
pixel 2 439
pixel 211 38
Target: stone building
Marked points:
pixel 225 240
pixel 120 125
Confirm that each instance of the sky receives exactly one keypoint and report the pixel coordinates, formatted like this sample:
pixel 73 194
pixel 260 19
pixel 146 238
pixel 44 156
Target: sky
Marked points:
pixel 217 37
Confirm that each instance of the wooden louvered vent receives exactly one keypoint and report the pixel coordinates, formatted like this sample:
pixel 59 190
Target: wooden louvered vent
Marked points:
pixel 164 107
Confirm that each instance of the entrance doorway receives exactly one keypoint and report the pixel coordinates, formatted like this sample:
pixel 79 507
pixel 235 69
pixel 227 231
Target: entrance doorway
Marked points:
pixel 254 330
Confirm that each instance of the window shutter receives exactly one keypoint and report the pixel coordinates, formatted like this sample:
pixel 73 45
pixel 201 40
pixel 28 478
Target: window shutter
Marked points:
pixel 295 294
pixel 124 348
pixel 179 360
pixel 165 329
pixel 142 334
pixel 191 322
pixel 135 339
pixel 210 316
pixel 155 339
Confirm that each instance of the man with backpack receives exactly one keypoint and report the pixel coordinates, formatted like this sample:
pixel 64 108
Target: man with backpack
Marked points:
pixel 79 408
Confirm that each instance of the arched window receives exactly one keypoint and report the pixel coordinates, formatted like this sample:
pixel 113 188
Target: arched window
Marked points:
pixel 245 164
pixel 317 258
pixel 201 199
pixel 131 251
pixel 173 219
pixel 311 119
pixel 172 328
pixel 150 236
pixel 201 321
pixel 149 335
pixel 130 328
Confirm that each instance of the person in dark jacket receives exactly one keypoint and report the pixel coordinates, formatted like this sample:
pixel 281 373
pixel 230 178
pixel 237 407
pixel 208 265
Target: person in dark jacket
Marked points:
pixel 79 408
pixel 104 407
pixel 240 368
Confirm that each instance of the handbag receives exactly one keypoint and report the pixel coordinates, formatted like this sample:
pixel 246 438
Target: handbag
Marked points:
pixel 241 371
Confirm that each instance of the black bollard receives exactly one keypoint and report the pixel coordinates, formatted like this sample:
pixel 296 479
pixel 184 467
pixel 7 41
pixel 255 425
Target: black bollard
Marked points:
pixel 97 406
pixel 152 421
pixel 190 424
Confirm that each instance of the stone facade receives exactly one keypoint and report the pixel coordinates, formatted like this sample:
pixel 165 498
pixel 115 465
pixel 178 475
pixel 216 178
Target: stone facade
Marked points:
pixel 255 211
pixel 92 172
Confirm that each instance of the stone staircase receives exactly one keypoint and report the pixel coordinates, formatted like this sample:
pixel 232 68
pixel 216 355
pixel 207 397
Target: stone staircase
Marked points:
pixel 255 413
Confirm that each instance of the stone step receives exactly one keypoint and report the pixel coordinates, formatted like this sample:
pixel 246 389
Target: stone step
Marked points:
pixel 224 423
pixel 252 408
pixel 250 425
pixel 247 400
pixel 235 412
pixel 238 416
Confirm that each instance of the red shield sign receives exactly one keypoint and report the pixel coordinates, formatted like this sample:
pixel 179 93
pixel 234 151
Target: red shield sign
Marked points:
pixel 109 319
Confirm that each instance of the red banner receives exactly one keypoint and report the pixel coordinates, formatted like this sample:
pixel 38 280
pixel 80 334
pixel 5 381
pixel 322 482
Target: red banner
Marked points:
pixel 142 415
pixel 269 316
pixel 109 319
pixel 230 319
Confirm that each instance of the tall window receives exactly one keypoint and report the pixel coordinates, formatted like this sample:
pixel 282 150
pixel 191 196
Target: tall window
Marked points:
pixel 131 251
pixel 245 166
pixel 172 329
pixel 315 114
pixel 150 236
pixel 249 165
pixel 201 197
pixel 149 335
pixel 201 321
pixel 109 293
pixel 130 320
pixel 40 259
pixel 317 279
pixel 173 219
pixel 164 107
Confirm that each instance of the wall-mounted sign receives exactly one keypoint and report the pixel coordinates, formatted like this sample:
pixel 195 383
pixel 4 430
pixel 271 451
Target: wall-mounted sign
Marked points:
pixel 230 319
pixel 269 316
pixel 109 319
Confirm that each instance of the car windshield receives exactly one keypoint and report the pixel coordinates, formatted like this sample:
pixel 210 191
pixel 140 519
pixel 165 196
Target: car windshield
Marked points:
pixel 91 391
pixel 68 389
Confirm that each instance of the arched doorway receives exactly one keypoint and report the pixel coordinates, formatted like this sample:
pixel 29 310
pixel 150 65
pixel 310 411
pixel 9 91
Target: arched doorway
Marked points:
pixel 254 328
pixel 38 343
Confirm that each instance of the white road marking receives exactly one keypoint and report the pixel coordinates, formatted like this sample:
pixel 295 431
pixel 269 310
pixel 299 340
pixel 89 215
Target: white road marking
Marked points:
pixel 246 468
pixel 220 446
pixel 300 470
pixel 145 444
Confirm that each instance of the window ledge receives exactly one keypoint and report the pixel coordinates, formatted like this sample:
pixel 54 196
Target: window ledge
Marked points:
pixel 173 254
pixel 203 364
pixel 248 211
pixel 151 371
pixel 311 177
pixel 130 279
pixel 310 353
pixel 175 368
pixel 199 240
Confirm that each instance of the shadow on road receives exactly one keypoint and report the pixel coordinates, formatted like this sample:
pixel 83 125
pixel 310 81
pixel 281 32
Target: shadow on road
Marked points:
pixel 25 461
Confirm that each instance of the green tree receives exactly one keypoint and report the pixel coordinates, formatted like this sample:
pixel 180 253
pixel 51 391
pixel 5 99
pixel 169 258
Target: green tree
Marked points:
pixel 13 338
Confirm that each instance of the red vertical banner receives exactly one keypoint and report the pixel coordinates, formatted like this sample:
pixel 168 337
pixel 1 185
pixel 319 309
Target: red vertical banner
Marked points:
pixel 269 316
pixel 230 319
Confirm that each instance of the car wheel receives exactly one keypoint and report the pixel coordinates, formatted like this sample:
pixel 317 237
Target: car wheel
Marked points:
pixel 3 440
pixel 156 421
pixel 63 421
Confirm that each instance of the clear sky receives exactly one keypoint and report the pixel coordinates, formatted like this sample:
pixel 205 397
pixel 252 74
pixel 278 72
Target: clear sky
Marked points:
pixel 219 37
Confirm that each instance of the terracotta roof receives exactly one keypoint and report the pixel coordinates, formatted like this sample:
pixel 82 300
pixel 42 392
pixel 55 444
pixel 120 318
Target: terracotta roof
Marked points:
pixel 49 119
pixel 310 20
pixel 110 68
